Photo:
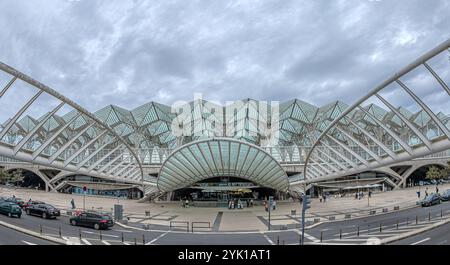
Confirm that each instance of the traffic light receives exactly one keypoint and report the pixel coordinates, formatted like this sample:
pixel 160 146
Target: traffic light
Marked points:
pixel 306 203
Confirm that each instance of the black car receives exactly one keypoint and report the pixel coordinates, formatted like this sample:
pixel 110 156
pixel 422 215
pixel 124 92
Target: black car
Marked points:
pixel 430 200
pixel 43 210
pixel 90 219
pixel 445 196
pixel 29 203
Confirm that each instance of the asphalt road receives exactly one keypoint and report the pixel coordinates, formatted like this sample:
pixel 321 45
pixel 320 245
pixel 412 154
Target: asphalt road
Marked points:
pixel 437 236
pixel 341 232
pixel 12 237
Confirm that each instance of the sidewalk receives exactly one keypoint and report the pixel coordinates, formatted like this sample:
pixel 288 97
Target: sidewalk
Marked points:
pixel 223 219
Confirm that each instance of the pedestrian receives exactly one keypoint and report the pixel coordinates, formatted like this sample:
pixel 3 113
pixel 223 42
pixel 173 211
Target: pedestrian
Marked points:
pixel 418 194
pixel 437 189
pixel 274 205
pixel 251 202
pixel 72 202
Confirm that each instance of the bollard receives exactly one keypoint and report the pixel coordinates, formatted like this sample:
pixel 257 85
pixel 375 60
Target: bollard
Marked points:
pixel 321 236
pixel 101 238
pixel 143 239
pixel 135 242
pixel 278 240
pixel 340 233
pixel 60 233
pixel 429 216
pixel 79 233
pixel 417 219
pixel 441 213
pixel 40 229
pixel 357 233
pixel 397 225
pixel 381 227
pixel 122 237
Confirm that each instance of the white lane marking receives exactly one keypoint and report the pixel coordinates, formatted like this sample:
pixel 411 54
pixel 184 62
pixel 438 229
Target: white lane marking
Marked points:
pixel 126 243
pixel 421 241
pixel 268 239
pixel 28 243
pixel 85 241
pixel 123 231
pixel 443 242
pixel 159 237
pixel 308 236
pixel 93 233
pixel 106 242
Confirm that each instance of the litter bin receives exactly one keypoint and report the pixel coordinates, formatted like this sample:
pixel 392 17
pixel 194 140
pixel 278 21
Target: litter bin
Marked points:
pixel 293 212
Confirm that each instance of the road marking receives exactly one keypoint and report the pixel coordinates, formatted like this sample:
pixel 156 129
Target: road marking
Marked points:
pixel 28 243
pixel 93 233
pixel 159 237
pixel 123 231
pixel 310 237
pixel 421 241
pixel 443 242
pixel 106 242
pixel 85 241
pixel 268 239
pixel 126 243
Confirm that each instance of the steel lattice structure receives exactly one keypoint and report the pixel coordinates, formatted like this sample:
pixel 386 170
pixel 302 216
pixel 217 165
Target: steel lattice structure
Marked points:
pixel 73 142
pixel 329 142
pixel 366 136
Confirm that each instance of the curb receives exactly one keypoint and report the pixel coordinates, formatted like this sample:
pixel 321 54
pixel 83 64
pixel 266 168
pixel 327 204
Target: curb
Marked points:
pixel 413 233
pixel 34 234
pixel 359 217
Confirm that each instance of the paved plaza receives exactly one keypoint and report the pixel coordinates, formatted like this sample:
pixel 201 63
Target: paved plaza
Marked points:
pixel 222 219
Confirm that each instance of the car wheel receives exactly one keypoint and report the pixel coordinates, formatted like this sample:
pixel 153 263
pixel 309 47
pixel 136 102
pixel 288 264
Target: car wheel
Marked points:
pixel 44 215
pixel 28 212
pixel 97 227
pixel 73 222
pixel 19 216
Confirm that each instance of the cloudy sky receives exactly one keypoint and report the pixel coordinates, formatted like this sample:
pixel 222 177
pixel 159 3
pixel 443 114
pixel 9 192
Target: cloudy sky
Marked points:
pixel 131 52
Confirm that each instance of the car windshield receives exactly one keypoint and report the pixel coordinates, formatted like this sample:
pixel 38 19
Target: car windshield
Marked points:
pixel 429 197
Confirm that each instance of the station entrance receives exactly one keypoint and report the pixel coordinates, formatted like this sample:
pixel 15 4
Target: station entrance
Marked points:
pixel 223 189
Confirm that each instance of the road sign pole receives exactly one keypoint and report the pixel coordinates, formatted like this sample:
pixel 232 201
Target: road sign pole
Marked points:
pixel 84 198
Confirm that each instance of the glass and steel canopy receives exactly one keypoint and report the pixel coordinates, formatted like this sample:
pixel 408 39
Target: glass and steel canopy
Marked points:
pixel 216 157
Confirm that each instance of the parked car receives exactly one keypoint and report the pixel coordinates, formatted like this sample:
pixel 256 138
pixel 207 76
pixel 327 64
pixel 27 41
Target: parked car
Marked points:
pixel 90 219
pixel 29 203
pixel 18 201
pixel 445 196
pixel 11 209
pixel 44 210
pixel 431 199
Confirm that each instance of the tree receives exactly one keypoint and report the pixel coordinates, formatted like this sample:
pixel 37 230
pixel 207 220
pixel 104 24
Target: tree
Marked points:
pixel 435 173
pixel 17 176
pixel 4 175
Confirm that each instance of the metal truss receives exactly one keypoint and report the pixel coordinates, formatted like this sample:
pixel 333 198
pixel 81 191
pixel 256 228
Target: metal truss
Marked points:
pixel 366 136
pixel 75 142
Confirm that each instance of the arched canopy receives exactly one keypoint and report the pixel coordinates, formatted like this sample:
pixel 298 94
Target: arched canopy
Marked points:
pixel 216 157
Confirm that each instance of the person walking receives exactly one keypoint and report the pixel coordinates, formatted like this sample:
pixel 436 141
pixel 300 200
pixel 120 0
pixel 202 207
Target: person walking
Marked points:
pixel 418 194
pixel 437 189
pixel 72 202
